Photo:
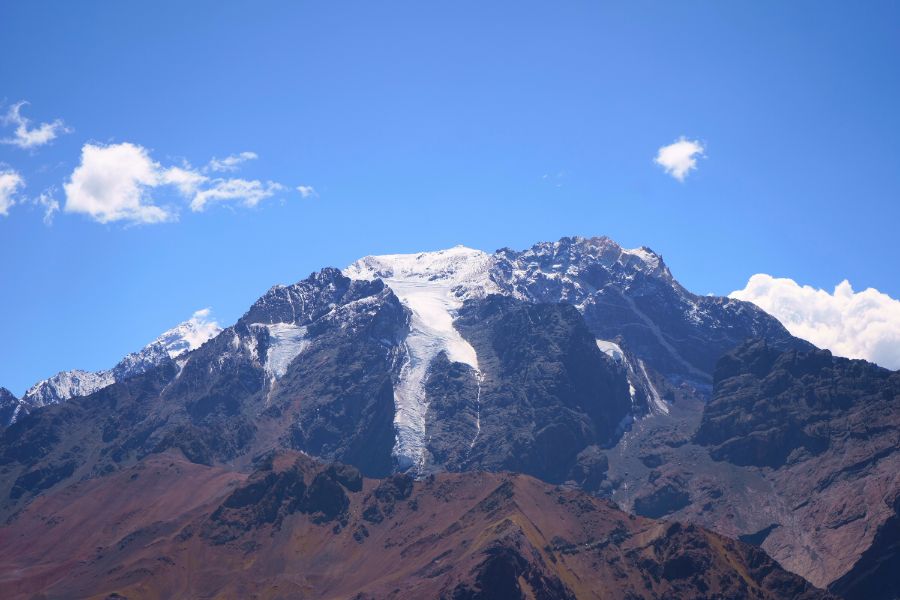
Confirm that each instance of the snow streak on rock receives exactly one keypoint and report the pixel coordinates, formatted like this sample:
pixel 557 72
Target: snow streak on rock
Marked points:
pixel 286 342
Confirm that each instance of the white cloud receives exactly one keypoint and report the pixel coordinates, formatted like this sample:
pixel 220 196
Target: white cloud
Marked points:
pixel 678 159
pixel 230 163
pixel 862 324
pixel 307 191
pixel 10 182
pixel 248 193
pixel 49 204
pixel 112 184
pixel 202 328
pixel 187 180
pixel 26 136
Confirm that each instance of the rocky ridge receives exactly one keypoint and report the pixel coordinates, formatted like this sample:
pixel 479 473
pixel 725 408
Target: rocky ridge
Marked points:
pixel 170 345
pixel 298 528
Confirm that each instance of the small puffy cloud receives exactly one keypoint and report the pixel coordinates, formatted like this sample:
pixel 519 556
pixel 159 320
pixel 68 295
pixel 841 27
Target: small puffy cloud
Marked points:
pixel 112 183
pixel 10 183
pixel 246 192
pixel 678 159
pixel 862 324
pixel 25 136
pixel 230 163
pixel 307 191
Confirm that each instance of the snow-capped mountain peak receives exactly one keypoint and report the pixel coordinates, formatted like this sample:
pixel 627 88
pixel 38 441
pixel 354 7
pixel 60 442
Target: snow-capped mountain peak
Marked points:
pixel 190 334
pixel 465 271
pixel 182 338
pixel 65 385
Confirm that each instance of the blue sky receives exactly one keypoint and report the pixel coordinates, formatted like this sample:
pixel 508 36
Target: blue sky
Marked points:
pixel 425 125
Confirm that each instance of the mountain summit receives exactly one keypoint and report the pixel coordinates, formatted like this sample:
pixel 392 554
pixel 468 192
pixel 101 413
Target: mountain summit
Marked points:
pixel 171 344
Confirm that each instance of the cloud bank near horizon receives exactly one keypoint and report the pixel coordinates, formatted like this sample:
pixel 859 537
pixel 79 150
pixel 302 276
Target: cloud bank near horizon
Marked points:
pixel 854 324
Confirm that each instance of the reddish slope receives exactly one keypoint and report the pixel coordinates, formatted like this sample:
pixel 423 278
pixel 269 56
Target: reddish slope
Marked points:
pixel 63 531
pixel 296 529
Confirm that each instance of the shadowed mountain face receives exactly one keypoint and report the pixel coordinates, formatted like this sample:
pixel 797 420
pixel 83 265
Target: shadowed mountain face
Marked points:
pixel 235 396
pixel 296 528
pixel 797 452
pixel 9 406
pixel 548 393
pixel 826 432
pixel 632 295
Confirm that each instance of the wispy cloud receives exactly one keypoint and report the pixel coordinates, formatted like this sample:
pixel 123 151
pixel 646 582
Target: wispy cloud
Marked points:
pixel 556 179
pixel 679 158
pixel 248 193
pixel 307 191
pixel 230 163
pixel 25 136
pixel 202 327
pixel 49 203
pixel 862 324
pixel 10 183
pixel 114 183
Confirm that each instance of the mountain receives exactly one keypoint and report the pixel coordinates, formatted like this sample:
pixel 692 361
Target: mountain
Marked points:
pixel 297 528
pixel 65 385
pixel 10 406
pixel 826 432
pixel 796 451
pixel 578 362
pixel 632 295
pixel 621 298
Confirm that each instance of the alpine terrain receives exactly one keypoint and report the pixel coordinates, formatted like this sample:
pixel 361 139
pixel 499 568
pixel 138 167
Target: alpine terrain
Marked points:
pixel 460 424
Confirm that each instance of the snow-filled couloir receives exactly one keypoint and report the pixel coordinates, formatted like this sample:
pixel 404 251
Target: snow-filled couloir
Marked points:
pixel 433 286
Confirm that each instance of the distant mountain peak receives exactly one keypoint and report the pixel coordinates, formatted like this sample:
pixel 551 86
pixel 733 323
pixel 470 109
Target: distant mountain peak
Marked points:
pixel 465 270
pixel 190 334
pixel 184 337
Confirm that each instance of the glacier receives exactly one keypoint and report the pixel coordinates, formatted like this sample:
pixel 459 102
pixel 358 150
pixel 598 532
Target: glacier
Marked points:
pixel 286 342
pixel 433 286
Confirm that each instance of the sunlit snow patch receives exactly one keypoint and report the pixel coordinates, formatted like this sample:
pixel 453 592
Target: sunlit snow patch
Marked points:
pixel 612 350
pixel 286 342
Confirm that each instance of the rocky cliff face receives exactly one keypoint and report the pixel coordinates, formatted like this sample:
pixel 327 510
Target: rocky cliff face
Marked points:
pixel 547 392
pixel 631 295
pixel 296 528
pixel 796 452
pixel 825 431
pixel 10 407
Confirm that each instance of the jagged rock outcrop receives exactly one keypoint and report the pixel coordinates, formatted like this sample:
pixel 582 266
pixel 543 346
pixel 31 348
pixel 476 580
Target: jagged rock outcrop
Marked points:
pixel 547 392
pixel 10 407
pixel 824 432
pixel 632 294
